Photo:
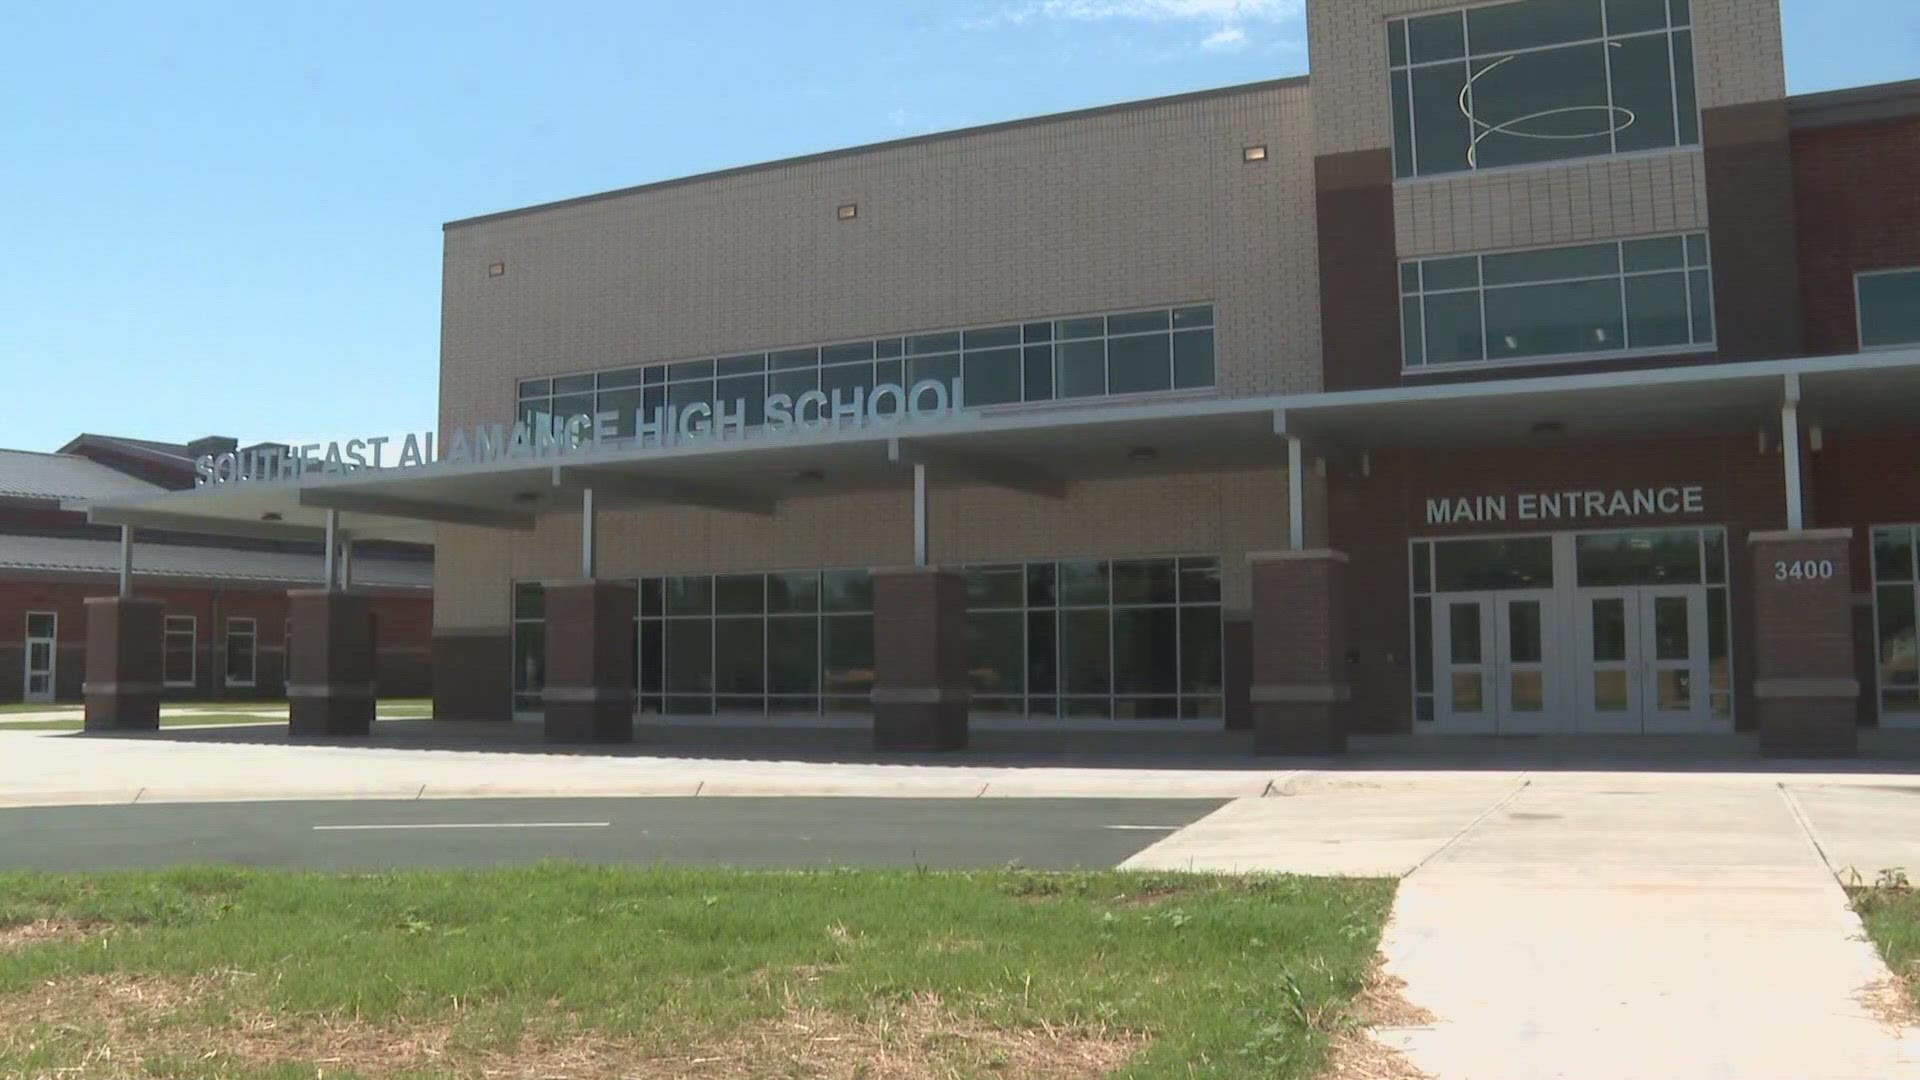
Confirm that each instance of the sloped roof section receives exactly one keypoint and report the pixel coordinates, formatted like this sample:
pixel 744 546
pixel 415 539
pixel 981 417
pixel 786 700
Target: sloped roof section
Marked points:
pixel 53 554
pixel 30 475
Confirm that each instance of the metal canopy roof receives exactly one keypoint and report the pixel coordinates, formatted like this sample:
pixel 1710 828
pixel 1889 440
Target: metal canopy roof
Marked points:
pixel 1039 450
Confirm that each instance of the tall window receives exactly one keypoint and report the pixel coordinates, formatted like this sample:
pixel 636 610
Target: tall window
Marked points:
pixel 1896 594
pixel 242 637
pixel 1653 295
pixel 529 644
pixel 1090 356
pixel 1889 302
pixel 797 643
pixel 1540 80
pixel 177 651
pixel 1128 639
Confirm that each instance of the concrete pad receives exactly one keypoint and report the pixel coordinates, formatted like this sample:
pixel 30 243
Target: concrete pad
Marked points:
pixel 1639 931
pixel 1355 826
pixel 1864 828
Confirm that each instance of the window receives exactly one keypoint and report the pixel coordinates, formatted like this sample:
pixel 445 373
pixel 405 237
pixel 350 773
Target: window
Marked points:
pixel 1889 302
pixel 242 636
pixel 1896 596
pixel 1540 80
pixel 177 660
pixel 1640 296
pixel 1127 639
pixel 1095 356
pixel 797 643
pixel 529 644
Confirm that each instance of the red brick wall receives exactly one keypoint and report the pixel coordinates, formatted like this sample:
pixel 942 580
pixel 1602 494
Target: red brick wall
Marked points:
pixel 404 626
pixel 1858 206
pixel 1371 518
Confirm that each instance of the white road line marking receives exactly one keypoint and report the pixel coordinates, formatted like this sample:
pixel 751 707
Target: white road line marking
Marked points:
pixel 1146 828
pixel 472 825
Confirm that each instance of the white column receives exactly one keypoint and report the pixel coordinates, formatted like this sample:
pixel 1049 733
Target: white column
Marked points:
pixel 126 561
pixel 1790 452
pixel 1296 495
pixel 587 528
pixel 328 580
pixel 919 515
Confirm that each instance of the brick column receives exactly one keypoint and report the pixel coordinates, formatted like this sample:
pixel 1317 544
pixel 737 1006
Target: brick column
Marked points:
pixel 1237 670
pixel 122 688
pixel 1300 693
pixel 1804 685
pixel 472 675
pixel 921 695
pixel 590 658
pixel 330 692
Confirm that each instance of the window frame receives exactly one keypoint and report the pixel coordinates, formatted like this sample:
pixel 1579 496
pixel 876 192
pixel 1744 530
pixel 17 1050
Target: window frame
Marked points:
pixel 1686 269
pixel 252 635
pixel 1859 308
pixel 1892 718
pixel 658 375
pixel 1467 58
pixel 167 631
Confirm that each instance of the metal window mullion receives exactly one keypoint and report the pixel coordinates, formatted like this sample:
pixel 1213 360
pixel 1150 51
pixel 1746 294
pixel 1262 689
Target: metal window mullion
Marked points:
pixel 1469 54
pixel 1480 272
pixel 1613 129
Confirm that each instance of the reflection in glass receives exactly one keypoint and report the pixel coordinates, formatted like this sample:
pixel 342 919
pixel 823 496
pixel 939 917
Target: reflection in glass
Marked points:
pixel 1674 687
pixel 1609 619
pixel 1463 622
pixel 1084 651
pixel 996 652
pixel 1610 691
pixel 1524 632
pixel 1146 651
pixel 1528 690
pixel 1671 633
pixel 1468 692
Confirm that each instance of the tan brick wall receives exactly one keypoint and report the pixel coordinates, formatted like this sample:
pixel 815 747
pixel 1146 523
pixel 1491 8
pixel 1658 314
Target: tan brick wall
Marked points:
pixel 1593 200
pixel 1128 208
pixel 1229 514
pixel 1738 50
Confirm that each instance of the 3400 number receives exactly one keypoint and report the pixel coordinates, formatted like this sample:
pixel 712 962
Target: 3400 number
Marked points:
pixel 1803 570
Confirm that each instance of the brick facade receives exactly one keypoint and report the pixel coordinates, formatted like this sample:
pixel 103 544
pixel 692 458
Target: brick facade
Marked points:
pixel 1859 209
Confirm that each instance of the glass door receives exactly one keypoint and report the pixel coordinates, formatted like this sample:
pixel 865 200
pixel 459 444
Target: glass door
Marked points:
pixel 1607 630
pixel 1528 678
pixel 1465 647
pixel 1673 634
pixel 40 655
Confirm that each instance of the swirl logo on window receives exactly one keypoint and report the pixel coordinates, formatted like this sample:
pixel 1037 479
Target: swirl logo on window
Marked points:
pixel 1584 121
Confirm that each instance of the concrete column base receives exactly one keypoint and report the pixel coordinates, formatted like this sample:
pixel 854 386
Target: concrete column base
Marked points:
pixel 1804 685
pixel 1299 693
pixel 122 689
pixel 330 690
pixel 921 694
pixel 589 695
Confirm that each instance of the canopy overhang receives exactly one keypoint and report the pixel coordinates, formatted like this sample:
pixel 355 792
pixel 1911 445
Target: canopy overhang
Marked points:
pixel 1038 451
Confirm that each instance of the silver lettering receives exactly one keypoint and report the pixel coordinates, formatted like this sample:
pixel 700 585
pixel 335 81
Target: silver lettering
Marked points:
pixel 850 413
pixel 820 405
pixel 1695 499
pixel 735 421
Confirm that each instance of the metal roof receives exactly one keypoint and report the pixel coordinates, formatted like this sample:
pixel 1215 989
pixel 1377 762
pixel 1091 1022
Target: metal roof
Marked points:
pixel 60 555
pixel 32 475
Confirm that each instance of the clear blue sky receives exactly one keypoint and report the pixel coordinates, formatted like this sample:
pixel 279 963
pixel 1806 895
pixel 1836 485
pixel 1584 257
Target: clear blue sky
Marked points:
pixel 225 217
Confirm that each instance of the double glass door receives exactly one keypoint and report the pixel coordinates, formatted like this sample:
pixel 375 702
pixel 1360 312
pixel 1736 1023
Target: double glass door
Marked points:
pixel 40 655
pixel 1643 660
pixel 1499 672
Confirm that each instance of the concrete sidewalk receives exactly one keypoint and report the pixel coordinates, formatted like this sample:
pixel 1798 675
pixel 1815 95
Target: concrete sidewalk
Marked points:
pixel 1605 926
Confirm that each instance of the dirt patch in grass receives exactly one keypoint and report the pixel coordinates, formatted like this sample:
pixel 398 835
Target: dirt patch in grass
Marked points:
pixel 41 931
pixel 144 1018
pixel 1355 1053
pixel 1889 1000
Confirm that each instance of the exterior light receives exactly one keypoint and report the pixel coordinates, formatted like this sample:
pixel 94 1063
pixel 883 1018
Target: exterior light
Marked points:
pixel 1142 453
pixel 271 515
pixel 498 269
pixel 847 211
pixel 1252 154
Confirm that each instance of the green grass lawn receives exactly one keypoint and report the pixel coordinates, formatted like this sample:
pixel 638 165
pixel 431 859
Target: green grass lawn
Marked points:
pixel 184 720
pixel 590 972
pixel 1890 910
pixel 209 711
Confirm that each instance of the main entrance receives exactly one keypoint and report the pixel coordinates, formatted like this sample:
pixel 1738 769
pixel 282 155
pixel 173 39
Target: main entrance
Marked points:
pixel 1594 633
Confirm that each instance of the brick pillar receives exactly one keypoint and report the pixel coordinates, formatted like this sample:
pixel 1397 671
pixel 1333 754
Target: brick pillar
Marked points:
pixel 330 692
pixel 122 688
pixel 472 675
pixel 1300 693
pixel 590 658
pixel 1238 671
pixel 921 695
pixel 1804 684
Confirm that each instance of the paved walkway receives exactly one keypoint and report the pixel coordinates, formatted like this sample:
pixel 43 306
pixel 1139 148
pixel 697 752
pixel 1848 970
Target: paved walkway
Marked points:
pixel 1606 926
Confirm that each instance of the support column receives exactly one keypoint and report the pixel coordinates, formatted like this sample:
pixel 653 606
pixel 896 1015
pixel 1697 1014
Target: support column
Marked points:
pixel 1300 694
pixel 123 663
pixel 921 695
pixel 590 657
pixel 1804 684
pixel 330 686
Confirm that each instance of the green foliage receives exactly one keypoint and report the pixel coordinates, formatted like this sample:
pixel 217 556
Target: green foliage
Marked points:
pixel 1227 977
